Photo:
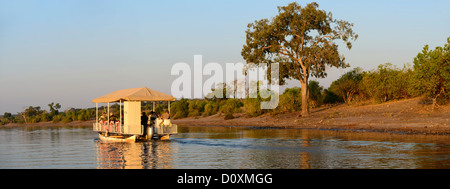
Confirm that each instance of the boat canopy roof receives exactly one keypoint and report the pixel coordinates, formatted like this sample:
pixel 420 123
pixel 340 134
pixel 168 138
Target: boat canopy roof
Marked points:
pixel 134 94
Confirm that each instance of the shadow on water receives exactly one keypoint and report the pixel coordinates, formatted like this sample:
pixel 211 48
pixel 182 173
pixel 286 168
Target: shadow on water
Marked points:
pixel 232 147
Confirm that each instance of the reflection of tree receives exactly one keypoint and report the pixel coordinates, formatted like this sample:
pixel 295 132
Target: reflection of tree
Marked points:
pixel 305 159
pixel 141 155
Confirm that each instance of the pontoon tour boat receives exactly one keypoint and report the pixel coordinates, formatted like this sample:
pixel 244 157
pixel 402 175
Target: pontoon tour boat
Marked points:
pixel 129 128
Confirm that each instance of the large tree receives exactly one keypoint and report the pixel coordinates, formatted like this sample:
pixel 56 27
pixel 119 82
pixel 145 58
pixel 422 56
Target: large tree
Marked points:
pixel 302 40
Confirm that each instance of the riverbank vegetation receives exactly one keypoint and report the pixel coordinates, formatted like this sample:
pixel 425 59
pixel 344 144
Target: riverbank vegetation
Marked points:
pixel 429 77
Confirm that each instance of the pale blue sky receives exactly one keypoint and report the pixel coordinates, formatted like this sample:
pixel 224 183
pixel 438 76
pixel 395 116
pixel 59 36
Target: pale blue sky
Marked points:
pixel 72 51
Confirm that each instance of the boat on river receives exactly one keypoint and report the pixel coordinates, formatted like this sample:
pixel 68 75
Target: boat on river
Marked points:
pixel 129 127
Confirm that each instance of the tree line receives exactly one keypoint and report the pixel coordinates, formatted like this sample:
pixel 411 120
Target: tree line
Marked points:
pixel 35 114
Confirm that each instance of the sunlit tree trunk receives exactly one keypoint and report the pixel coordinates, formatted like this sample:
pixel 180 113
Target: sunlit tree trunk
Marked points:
pixel 305 96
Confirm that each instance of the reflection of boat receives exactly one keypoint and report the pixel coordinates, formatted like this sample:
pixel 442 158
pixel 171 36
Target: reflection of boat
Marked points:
pixel 130 129
pixel 154 154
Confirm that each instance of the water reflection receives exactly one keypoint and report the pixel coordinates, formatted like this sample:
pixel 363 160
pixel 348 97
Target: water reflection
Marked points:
pixel 142 155
pixel 235 148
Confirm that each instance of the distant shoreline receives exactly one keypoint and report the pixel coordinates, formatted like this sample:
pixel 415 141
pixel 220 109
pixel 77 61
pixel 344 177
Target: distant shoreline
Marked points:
pixel 51 124
pixel 404 117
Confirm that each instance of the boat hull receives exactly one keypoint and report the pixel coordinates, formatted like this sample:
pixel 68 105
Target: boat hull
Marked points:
pixel 164 137
pixel 153 132
pixel 117 138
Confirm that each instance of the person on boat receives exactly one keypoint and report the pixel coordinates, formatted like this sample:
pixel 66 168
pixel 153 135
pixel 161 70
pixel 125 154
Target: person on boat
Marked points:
pixel 166 118
pixel 144 120
pixel 103 117
pixel 112 117
pixel 153 117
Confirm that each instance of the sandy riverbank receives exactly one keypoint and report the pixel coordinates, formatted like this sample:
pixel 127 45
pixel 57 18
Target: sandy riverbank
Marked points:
pixel 406 116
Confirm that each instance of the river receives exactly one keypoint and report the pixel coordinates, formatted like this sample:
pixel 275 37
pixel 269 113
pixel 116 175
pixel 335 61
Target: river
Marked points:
pixel 68 147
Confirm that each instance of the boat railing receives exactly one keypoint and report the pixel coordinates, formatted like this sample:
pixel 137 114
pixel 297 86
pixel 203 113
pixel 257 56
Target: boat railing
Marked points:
pixel 116 127
pixel 111 127
pixel 166 129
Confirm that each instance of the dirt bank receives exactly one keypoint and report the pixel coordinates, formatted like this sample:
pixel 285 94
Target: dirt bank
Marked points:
pixel 409 116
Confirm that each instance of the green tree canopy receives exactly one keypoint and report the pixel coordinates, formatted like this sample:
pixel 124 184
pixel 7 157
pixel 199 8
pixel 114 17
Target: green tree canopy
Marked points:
pixel 432 69
pixel 302 40
pixel 54 108
pixel 347 86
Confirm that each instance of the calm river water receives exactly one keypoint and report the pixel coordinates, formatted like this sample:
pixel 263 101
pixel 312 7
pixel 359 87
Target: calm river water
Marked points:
pixel 221 148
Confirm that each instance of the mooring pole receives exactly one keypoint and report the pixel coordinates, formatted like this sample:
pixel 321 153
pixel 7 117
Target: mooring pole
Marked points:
pixel 120 112
pixel 108 113
pixel 96 116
